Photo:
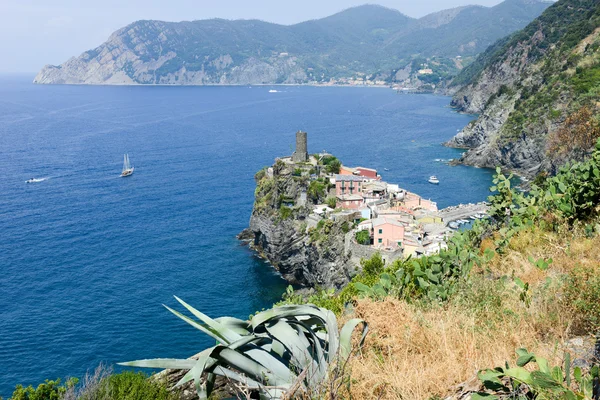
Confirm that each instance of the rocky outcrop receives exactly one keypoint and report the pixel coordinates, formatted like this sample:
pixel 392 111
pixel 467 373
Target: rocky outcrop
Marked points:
pixel 306 253
pixel 487 147
pixel 522 89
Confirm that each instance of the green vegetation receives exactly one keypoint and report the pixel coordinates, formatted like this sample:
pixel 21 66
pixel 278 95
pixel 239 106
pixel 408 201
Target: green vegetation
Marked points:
pixel 282 351
pixel 332 164
pixel 582 294
pixel 102 384
pixel 317 190
pixel 331 202
pixel 49 390
pixel 363 237
pixel 556 59
pixel 545 382
pixel 285 212
pixel 129 385
pixel 566 22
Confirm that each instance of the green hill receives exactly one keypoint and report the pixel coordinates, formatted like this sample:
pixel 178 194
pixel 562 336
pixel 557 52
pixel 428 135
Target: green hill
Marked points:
pixel 536 92
pixel 367 40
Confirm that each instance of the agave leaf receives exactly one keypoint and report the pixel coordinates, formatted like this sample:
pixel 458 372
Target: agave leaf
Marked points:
pixel 246 366
pixel 202 327
pixel 197 370
pixel 228 334
pixel 161 363
pixel 346 337
pixel 287 311
pixel 237 325
pixel 320 363
pixel 296 344
pixel 278 348
pixel 227 373
pixel 271 362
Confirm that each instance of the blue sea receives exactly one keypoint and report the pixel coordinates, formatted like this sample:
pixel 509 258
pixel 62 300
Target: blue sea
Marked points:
pixel 87 258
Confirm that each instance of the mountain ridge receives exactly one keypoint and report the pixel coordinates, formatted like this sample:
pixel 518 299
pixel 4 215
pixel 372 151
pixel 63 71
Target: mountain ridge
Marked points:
pixel 365 40
pixel 527 87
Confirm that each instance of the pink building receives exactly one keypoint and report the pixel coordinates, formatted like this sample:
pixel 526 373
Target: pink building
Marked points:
pixel 387 232
pixel 350 201
pixel 413 202
pixel 349 184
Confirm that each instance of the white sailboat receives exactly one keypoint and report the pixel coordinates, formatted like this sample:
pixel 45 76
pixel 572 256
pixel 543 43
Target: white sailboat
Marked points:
pixel 127 168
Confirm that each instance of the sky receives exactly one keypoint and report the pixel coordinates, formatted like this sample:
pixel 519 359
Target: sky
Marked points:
pixel 34 33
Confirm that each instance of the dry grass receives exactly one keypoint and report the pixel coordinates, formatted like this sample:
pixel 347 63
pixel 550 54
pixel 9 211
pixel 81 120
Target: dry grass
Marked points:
pixel 418 352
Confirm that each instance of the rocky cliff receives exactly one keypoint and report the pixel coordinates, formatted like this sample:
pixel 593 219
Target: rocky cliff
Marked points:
pixel 370 40
pixel 525 87
pixel 305 252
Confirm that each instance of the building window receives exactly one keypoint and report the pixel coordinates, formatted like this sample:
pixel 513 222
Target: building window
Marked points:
pixel 379 240
pixel 380 231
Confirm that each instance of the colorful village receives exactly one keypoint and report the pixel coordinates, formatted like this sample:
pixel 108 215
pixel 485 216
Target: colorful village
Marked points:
pixel 387 219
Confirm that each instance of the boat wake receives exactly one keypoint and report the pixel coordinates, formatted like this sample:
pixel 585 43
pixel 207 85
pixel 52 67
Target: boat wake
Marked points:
pixel 37 180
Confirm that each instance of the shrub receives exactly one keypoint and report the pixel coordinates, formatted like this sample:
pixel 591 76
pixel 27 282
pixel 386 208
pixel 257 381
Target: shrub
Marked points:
pixel 331 202
pixel 316 191
pixel 49 390
pixel 545 382
pixel 332 164
pixel 582 296
pixel 373 266
pixel 363 237
pixel 576 137
pixel 130 385
pixel 285 212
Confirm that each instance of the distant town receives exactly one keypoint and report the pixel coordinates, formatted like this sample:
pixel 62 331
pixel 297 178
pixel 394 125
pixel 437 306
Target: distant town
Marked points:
pixel 386 218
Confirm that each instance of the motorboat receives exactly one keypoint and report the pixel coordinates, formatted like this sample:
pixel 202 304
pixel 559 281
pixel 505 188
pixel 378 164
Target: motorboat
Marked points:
pixel 434 180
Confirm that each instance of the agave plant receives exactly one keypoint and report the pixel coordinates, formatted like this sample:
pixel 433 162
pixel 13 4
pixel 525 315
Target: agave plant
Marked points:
pixel 278 351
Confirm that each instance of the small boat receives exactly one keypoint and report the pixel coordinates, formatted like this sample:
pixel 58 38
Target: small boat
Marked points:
pixel 35 180
pixel 127 168
pixel 386 169
pixel 454 225
pixel 273 91
pixel 434 180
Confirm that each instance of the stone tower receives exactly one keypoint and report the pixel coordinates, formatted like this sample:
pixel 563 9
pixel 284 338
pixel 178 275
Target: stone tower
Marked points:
pixel 301 153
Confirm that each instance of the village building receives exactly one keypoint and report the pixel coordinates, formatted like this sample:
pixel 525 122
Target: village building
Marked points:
pixel 360 171
pixel 350 201
pixel 388 232
pixel 349 184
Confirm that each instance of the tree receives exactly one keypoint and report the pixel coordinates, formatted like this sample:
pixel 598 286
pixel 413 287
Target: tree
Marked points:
pixel 363 237
pixel 576 137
